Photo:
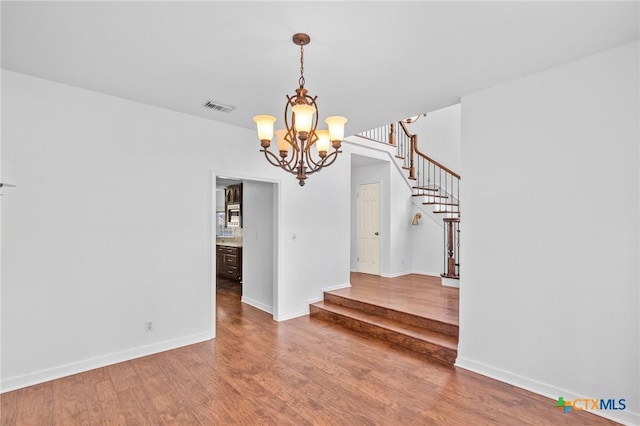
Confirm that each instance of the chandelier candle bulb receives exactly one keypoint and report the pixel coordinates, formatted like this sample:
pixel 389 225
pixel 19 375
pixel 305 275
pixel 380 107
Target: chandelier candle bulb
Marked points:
pixel 283 145
pixel 322 144
pixel 265 128
pixel 336 127
pixel 303 117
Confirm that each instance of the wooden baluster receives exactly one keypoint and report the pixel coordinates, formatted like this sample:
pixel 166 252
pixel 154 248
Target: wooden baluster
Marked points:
pixel 412 169
pixel 392 135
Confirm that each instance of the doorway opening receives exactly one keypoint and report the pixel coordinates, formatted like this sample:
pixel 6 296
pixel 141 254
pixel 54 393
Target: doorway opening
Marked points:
pixel 245 242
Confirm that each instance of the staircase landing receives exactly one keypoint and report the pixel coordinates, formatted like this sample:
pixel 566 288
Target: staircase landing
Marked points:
pixel 414 311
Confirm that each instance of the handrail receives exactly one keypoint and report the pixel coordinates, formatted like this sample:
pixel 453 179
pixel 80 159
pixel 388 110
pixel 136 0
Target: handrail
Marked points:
pixel 425 156
pixel 446 169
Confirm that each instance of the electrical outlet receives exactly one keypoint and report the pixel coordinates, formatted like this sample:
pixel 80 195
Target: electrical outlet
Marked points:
pixel 148 325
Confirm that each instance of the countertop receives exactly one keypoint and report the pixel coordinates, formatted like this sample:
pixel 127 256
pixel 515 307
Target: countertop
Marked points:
pixel 228 243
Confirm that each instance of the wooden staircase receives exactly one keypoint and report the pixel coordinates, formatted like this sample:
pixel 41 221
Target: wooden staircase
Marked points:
pixel 436 338
pixel 433 185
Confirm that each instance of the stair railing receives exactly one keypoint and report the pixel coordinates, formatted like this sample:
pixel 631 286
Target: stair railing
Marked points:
pixel 438 185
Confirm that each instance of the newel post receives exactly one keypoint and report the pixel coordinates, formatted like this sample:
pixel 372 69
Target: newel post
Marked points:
pixel 392 134
pixel 451 238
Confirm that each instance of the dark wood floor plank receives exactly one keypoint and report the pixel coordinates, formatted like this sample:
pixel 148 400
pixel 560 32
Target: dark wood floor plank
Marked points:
pixel 136 407
pixel 102 404
pixel 36 405
pixel 123 376
pixel 69 406
pixel 9 404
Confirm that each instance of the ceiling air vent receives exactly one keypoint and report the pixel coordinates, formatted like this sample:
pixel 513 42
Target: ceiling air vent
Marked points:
pixel 217 106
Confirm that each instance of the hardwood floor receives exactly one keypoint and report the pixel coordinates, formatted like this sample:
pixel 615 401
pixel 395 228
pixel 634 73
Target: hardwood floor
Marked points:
pixel 414 311
pixel 225 285
pixel 297 372
pixel 418 295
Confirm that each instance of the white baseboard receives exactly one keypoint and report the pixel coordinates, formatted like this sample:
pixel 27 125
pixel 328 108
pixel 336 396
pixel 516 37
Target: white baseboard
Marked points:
pixel 314 300
pixel 429 274
pixel 336 287
pixel 450 282
pixel 625 417
pixel 58 372
pixel 321 298
pixel 401 274
pixel 396 274
pixel 292 316
pixel 257 305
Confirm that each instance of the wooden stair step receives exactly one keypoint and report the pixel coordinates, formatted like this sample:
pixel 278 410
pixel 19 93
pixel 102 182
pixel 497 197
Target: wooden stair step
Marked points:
pixel 430 195
pixel 400 157
pixel 433 344
pixel 446 211
pixel 441 204
pixel 406 168
pixel 426 188
pixel 412 319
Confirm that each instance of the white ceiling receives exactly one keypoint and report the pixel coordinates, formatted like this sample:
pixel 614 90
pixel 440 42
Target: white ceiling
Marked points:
pixel 373 62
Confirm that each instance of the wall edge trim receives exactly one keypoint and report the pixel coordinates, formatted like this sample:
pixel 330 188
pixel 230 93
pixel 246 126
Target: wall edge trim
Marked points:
pixel 550 391
pixel 82 366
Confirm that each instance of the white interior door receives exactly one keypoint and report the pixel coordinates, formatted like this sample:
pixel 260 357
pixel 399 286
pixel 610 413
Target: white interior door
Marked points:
pixel 369 228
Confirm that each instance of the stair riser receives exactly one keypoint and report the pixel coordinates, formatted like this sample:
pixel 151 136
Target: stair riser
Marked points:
pixel 403 317
pixel 434 351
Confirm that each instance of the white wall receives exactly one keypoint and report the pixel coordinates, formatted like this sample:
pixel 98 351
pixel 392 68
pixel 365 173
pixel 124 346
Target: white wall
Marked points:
pixel 111 226
pixel 549 286
pixel 258 244
pixel 427 243
pixel 400 216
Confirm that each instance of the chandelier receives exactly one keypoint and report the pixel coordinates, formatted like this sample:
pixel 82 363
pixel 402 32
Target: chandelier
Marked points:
pixel 302 148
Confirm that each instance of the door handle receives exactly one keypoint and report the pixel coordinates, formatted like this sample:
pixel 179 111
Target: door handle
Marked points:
pixel 376 234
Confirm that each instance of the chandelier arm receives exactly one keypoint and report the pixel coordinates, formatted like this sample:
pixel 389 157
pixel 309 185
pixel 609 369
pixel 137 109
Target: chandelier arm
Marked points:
pixel 292 164
pixel 331 158
pixel 313 164
pixel 292 157
pixel 325 162
pixel 275 161
pixel 295 150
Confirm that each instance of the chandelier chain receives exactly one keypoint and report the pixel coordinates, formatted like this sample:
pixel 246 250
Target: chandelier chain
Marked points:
pixel 301 80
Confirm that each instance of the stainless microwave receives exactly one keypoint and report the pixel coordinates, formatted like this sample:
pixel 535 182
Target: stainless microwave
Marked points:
pixel 233 215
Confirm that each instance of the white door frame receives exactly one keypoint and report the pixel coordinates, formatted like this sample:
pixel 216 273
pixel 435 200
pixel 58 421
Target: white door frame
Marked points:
pixel 212 239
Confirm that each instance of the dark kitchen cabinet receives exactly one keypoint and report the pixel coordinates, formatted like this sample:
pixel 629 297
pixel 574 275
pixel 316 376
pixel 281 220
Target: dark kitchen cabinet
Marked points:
pixel 233 194
pixel 233 205
pixel 229 262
